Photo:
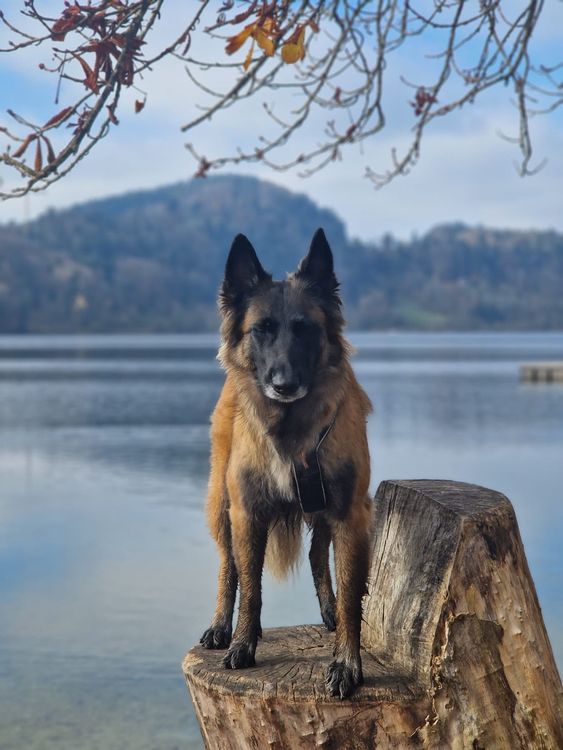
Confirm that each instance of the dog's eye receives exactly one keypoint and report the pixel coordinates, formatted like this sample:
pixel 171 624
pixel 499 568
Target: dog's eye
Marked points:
pixel 266 326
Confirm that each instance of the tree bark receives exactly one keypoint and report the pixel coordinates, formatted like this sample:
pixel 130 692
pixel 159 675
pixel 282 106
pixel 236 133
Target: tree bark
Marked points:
pixel 455 651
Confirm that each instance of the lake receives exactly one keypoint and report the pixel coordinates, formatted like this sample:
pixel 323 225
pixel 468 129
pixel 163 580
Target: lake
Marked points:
pixel 107 571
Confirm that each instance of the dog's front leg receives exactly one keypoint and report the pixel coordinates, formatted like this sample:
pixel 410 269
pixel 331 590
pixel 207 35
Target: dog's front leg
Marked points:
pixel 351 538
pixel 218 635
pixel 249 536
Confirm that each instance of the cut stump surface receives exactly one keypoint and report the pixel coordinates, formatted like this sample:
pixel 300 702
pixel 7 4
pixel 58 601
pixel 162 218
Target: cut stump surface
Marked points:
pixel 291 664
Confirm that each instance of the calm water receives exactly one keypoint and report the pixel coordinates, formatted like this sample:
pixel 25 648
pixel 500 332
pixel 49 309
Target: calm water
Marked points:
pixel 107 573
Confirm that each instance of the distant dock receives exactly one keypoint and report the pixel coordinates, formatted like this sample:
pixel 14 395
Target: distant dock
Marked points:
pixel 542 372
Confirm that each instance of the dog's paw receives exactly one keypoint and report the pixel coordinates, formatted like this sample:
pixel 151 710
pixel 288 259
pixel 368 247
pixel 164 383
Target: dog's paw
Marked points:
pixel 216 637
pixel 329 617
pixel 239 656
pixel 342 679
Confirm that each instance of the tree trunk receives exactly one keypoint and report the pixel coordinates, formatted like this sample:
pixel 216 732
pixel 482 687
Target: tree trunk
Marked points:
pixel 455 651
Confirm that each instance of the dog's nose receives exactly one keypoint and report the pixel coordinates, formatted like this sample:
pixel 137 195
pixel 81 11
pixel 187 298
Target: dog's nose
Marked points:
pixel 283 385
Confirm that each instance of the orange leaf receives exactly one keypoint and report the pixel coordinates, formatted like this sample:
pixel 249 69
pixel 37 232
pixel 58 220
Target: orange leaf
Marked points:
pixel 38 163
pixel 294 49
pixel 264 42
pixel 290 53
pixel 234 43
pixel 248 58
pixel 298 35
pixel 269 26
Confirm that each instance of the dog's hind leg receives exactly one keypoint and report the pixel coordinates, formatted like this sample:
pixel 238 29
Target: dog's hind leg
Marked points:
pixel 318 557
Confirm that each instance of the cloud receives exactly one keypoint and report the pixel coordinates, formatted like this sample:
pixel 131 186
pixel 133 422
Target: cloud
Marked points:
pixel 461 176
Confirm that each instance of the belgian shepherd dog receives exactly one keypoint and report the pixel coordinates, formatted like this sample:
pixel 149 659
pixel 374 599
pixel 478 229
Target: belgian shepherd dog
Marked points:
pixel 289 446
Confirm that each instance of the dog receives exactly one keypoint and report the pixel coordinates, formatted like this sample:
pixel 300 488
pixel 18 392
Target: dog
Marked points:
pixel 288 447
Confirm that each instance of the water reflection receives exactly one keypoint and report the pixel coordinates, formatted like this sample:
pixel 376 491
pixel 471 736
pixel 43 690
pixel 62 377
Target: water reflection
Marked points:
pixel 106 567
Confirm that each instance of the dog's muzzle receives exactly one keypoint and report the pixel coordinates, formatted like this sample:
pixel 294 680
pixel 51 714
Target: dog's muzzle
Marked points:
pixel 285 394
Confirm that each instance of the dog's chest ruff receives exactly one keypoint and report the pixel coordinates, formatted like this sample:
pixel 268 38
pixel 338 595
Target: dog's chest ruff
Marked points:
pixel 280 476
pixel 302 480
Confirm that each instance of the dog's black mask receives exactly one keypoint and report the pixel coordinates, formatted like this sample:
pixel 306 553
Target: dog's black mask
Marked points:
pixel 282 324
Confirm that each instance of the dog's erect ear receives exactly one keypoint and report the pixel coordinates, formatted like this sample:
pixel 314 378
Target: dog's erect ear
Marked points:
pixel 243 272
pixel 317 267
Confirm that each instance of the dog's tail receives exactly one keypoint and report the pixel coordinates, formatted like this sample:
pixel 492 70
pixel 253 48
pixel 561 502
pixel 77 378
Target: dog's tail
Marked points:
pixel 284 549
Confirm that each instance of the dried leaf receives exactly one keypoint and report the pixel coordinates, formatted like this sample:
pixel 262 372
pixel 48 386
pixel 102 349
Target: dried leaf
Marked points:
pixel 70 19
pixel 264 41
pixel 139 105
pixel 91 80
pixel 203 168
pixel 248 58
pixel 21 149
pixel 38 163
pixel 60 29
pixel 290 53
pixel 50 151
pixel 59 117
pixel 234 43
pixel 111 115
pixel 294 49
pixel 270 26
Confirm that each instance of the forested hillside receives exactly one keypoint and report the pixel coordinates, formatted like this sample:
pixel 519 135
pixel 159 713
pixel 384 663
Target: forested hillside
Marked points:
pixel 152 261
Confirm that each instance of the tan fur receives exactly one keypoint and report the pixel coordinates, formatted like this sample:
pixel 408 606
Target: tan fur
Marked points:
pixel 283 551
pixel 222 421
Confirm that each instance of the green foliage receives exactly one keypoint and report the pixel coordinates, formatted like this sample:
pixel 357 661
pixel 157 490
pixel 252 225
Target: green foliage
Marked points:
pixel 152 261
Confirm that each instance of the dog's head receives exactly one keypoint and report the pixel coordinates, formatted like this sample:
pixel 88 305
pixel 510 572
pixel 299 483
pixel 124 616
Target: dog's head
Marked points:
pixel 286 333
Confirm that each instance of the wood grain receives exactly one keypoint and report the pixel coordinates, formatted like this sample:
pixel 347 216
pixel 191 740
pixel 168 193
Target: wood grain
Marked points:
pixel 455 654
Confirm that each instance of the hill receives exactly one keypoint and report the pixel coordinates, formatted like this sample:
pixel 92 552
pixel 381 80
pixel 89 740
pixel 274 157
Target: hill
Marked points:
pixel 152 261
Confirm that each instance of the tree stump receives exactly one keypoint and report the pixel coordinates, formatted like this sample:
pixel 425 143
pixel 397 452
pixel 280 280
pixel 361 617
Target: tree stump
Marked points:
pixel 455 651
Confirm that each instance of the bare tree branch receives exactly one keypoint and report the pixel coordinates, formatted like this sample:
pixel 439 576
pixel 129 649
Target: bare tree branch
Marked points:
pixel 333 56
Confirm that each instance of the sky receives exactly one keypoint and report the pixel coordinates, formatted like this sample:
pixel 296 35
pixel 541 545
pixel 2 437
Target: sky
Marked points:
pixel 466 171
